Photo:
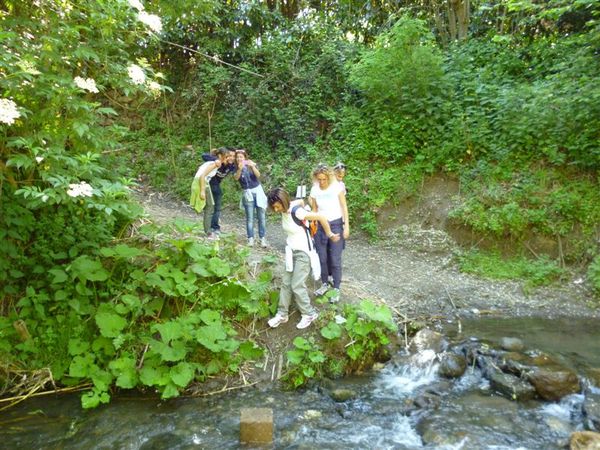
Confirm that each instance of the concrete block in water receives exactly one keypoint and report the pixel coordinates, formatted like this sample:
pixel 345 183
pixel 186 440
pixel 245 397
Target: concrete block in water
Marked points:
pixel 256 426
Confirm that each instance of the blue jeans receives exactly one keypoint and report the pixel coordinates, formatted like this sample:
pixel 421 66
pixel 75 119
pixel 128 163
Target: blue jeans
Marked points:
pixel 217 196
pixel 249 206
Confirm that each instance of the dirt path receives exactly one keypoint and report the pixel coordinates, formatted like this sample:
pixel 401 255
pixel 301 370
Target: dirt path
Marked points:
pixel 411 270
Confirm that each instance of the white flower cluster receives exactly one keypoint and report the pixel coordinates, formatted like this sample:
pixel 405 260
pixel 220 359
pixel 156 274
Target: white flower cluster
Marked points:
pixel 28 67
pixel 136 73
pixel 136 4
pixel 152 21
pixel 8 111
pixel 80 190
pixel 87 84
pixel 154 88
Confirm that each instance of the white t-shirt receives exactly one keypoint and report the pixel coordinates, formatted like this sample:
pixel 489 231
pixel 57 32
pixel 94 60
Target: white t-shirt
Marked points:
pixel 209 175
pixel 296 235
pixel 328 200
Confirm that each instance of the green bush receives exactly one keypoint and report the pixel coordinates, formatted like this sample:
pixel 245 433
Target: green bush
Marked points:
pixel 593 274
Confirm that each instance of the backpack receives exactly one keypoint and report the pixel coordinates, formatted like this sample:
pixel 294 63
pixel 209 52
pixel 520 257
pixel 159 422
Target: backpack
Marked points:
pixel 304 224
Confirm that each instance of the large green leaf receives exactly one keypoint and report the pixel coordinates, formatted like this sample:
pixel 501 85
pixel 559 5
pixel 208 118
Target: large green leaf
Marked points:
pixel 125 370
pixel 331 331
pixel 182 374
pixel 169 330
pixel 87 269
pixel 110 324
pixel 212 336
pixel 219 267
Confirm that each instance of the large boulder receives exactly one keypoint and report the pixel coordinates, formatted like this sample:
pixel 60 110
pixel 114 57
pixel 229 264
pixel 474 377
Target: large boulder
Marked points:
pixel 427 339
pixel 584 440
pixel 452 365
pixel 553 383
pixel 512 344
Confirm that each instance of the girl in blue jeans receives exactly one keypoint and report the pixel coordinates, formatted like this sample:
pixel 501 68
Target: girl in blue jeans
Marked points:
pixel 253 196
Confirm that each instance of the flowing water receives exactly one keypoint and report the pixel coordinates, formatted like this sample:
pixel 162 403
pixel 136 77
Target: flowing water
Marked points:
pixel 463 414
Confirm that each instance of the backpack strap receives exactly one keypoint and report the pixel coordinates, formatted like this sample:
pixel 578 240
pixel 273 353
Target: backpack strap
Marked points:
pixel 302 224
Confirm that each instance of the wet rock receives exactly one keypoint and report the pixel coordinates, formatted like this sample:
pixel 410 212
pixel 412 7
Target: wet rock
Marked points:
pixel 431 435
pixel 439 387
pixel 310 414
pixel 342 395
pixel 165 440
pixel 487 364
pixel 378 367
pixel 516 363
pixel 584 440
pixel 553 383
pixel 594 376
pixel 426 401
pixel 512 344
pixel 427 339
pixel 510 386
pixel 416 325
pixel 591 411
pixel 452 365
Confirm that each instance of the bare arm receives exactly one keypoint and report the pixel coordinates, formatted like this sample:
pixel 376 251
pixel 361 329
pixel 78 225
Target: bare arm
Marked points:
pixel 313 204
pixel 345 217
pixel 254 169
pixel 324 223
pixel 203 174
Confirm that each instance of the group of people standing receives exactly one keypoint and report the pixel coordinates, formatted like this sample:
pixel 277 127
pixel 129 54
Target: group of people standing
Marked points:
pixel 306 251
pixel 207 195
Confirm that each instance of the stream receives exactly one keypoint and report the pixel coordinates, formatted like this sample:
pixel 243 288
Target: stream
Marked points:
pixel 405 405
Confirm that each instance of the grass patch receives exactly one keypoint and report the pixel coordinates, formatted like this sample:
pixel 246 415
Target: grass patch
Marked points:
pixel 534 272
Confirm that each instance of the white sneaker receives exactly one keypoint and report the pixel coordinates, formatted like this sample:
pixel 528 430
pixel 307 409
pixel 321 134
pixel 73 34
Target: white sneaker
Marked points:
pixel 263 242
pixel 274 322
pixel 250 242
pixel 322 290
pixel 335 297
pixel 213 236
pixel 306 320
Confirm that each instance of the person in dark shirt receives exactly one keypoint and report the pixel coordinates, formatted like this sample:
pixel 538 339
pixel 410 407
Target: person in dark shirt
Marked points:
pixel 215 187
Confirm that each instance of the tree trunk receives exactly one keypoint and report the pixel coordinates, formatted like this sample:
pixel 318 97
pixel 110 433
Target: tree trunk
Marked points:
pixel 458 18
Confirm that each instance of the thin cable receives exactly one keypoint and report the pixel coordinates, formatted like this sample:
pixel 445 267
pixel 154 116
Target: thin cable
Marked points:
pixel 214 58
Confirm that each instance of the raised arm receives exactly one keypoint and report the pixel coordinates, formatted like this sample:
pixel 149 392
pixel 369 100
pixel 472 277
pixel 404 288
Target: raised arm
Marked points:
pixel 253 168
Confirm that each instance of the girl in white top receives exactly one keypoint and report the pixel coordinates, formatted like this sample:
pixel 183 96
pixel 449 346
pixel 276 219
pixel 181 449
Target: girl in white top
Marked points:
pixel 201 195
pixel 298 248
pixel 339 170
pixel 328 197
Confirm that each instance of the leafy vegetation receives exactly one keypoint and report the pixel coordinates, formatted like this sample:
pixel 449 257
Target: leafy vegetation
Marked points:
pixel 492 265
pixel 140 315
pixel 353 338
pixel 506 99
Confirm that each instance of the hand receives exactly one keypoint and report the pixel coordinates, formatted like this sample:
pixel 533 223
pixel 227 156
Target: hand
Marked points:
pixel 202 194
pixel 346 231
pixel 334 237
pixel 218 163
pixel 250 163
